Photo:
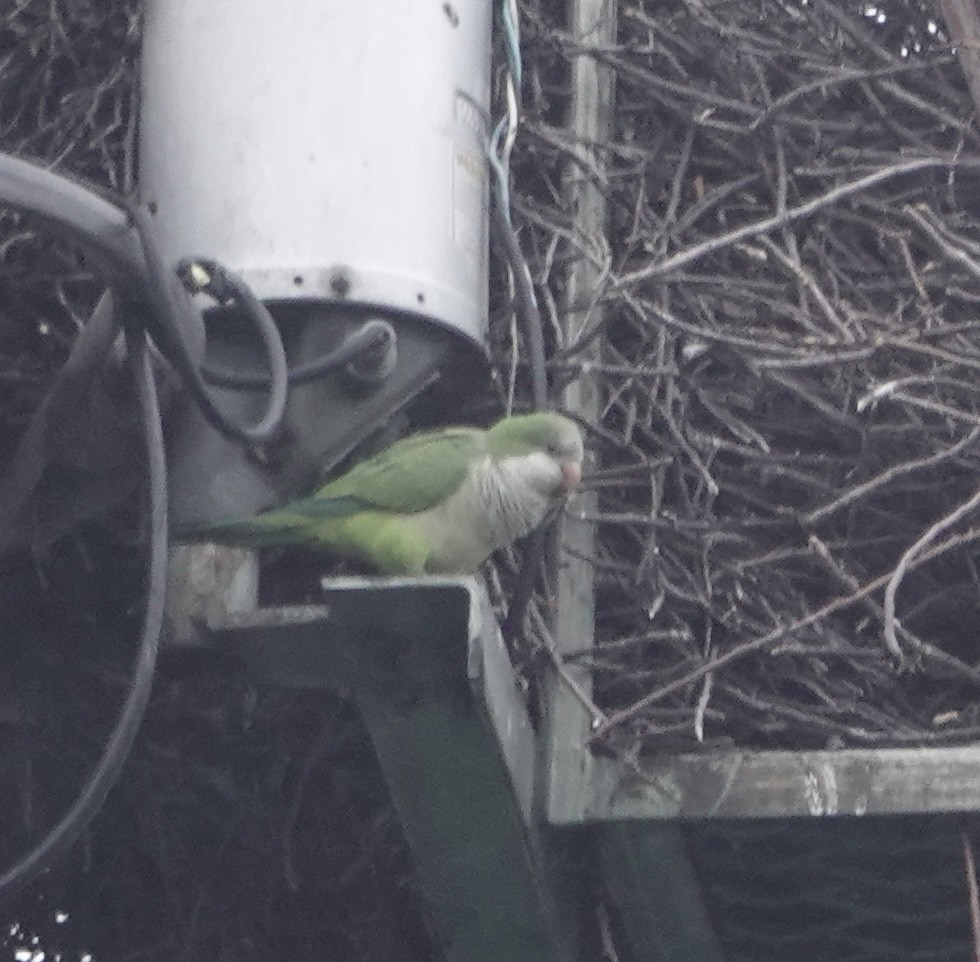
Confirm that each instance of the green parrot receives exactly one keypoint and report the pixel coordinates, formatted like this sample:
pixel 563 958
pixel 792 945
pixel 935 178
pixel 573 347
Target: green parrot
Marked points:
pixel 438 501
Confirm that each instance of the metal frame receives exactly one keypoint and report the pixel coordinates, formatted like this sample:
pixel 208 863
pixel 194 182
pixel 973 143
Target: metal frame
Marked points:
pixel 583 788
pixel 776 784
pixel 425 663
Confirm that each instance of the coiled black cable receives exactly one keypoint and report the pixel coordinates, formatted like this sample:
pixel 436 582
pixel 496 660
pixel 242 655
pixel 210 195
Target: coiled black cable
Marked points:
pixel 527 305
pixel 173 312
pixel 122 239
pixel 74 822
pixel 371 336
pixel 133 262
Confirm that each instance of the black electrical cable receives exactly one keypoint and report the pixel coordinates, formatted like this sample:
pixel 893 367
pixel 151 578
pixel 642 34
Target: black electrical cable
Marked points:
pixel 139 274
pixel 79 213
pixel 171 306
pixel 105 228
pixel 372 335
pixel 527 310
pixel 68 830
pixel 527 306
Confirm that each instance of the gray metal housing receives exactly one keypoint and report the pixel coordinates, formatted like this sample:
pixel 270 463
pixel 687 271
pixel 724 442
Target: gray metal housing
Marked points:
pixel 323 148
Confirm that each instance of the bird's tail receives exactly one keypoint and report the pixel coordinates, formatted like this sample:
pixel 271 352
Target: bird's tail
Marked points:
pixel 250 533
pixel 297 523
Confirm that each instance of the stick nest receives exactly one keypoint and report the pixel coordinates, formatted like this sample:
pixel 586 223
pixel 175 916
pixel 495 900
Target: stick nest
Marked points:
pixel 785 349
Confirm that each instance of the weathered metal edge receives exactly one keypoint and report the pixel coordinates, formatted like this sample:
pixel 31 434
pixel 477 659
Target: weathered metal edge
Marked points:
pixel 778 784
pixel 430 673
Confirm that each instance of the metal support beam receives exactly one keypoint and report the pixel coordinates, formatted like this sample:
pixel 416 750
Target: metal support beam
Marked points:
pixel 778 784
pixel 655 892
pixel 646 872
pixel 426 663
pixel 963 24
pixel 565 763
pixel 562 763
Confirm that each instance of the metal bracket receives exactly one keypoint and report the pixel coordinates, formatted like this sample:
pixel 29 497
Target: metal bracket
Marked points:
pixel 427 666
pixel 212 477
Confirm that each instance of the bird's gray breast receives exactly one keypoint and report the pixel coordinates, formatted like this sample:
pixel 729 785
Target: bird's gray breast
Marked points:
pixel 494 506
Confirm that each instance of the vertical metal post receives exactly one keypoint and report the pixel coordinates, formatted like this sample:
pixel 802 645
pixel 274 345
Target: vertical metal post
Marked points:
pixel 963 24
pixel 566 762
pixel 645 868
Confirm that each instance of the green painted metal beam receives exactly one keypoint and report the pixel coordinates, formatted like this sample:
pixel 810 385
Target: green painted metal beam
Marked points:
pixel 655 893
pixel 426 664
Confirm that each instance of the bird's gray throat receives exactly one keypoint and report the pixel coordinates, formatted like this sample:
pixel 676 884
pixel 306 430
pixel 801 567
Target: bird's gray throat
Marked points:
pixel 513 507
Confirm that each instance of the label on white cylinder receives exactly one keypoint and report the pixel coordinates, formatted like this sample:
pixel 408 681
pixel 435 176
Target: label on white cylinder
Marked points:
pixel 469 200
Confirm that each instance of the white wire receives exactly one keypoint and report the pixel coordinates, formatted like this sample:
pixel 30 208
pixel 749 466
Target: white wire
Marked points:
pixel 512 33
pixel 501 143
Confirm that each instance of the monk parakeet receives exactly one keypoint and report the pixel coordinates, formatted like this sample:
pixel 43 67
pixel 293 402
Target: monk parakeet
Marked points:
pixel 439 501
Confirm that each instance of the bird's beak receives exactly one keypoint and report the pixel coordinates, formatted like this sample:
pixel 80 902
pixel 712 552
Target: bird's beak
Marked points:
pixel 571 475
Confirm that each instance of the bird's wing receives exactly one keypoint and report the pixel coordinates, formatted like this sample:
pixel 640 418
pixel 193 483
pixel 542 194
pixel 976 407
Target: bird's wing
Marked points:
pixel 412 475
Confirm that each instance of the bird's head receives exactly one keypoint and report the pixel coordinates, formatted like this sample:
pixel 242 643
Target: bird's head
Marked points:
pixel 546 448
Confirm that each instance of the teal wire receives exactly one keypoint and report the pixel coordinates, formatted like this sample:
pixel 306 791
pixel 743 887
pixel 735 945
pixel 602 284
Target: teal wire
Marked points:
pixel 501 174
pixel 513 43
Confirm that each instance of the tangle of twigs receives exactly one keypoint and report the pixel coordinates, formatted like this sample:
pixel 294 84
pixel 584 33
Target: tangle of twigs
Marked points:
pixel 788 357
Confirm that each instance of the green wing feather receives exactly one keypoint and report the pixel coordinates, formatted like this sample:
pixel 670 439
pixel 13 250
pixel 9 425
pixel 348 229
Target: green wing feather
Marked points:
pixel 413 475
